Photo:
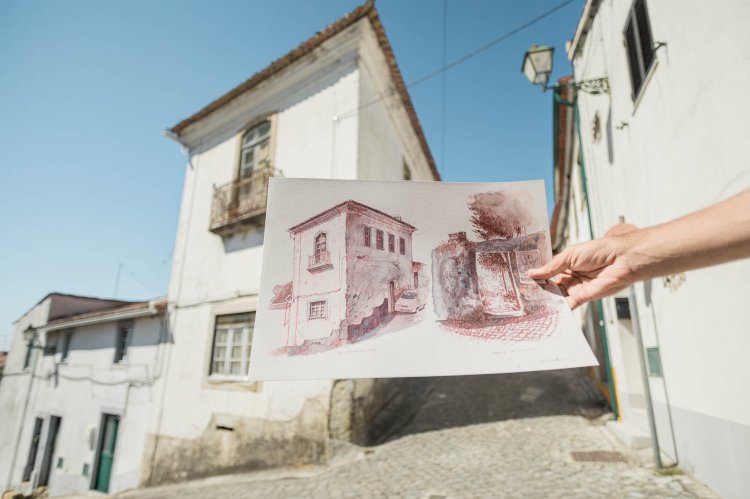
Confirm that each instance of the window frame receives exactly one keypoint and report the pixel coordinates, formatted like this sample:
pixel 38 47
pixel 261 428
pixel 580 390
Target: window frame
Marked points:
pixel 122 347
pixel 391 243
pixel 323 314
pixel 254 145
pixel 379 239
pixel 402 246
pixel 246 331
pixel 367 234
pixel 67 337
pixel 320 246
pixel 644 71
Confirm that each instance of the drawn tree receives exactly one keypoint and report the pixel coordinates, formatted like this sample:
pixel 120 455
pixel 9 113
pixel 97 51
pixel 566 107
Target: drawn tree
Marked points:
pixel 496 215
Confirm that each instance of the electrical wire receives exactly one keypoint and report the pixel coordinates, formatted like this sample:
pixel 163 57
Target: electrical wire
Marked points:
pixel 470 55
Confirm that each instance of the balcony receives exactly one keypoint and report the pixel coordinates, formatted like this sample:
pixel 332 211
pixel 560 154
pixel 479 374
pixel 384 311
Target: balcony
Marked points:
pixel 319 261
pixel 241 202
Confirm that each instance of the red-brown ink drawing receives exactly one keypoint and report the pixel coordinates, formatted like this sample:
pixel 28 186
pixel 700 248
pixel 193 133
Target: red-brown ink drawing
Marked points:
pixel 353 278
pixel 481 288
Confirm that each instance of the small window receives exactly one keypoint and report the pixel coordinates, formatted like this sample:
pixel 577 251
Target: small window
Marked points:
pixel 321 248
pixel 401 245
pixel 654 362
pixel 367 233
pixel 233 336
pixel 391 243
pixel 124 335
pixel 65 346
pixel 379 239
pixel 255 150
pixel 639 45
pixel 29 353
pixel 318 309
pixel 407 171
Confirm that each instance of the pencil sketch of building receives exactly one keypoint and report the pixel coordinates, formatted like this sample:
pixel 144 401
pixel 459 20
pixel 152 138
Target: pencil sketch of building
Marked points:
pixel 352 264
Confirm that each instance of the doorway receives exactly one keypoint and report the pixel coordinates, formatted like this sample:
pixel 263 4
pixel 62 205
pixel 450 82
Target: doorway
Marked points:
pixel 106 451
pixel 391 297
pixel 33 449
pixel 49 450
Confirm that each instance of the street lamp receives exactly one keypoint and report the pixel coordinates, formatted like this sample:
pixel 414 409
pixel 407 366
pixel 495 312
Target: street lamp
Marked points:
pixel 537 66
pixel 30 336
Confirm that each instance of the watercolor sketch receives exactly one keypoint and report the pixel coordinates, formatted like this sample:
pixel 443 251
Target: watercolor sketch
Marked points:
pixel 392 279
pixel 353 277
pixel 482 288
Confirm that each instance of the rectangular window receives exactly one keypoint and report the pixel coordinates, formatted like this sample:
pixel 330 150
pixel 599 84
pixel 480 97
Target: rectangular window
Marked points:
pixel 639 45
pixel 654 362
pixel 367 235
pixel 401 245
pixel 391 243
pixel 318 309
pixel 379 239
pixel 124 335
pixel 65 346
pixel 233 336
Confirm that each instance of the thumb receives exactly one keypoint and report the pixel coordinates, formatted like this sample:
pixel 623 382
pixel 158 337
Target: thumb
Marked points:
pixel 558 263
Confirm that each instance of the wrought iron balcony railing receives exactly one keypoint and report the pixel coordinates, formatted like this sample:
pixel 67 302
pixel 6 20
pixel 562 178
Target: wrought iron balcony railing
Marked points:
pixel 240 202
pixel 319 261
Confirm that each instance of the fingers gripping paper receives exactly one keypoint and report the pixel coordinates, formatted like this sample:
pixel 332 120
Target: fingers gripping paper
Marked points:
pixel 394 279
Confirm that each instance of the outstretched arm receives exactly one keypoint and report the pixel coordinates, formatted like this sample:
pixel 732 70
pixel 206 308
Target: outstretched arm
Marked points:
pixel 599 268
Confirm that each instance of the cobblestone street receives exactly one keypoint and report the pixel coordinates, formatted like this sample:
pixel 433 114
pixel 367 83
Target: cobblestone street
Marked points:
pixel 537 435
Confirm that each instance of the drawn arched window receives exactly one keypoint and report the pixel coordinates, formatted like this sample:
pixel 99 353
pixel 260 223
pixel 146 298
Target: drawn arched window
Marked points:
pixel 255 149
pixel 321 253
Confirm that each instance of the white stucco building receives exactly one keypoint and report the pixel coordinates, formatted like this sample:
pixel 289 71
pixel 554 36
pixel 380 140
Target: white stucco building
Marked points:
pixel 334 107
pixel 76 398
pixel 668 138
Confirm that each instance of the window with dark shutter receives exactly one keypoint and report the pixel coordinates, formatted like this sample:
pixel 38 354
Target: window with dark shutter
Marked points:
pixel 639 45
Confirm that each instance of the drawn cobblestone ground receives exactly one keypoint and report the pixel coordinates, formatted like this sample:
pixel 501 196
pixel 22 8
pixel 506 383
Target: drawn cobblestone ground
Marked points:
pixel 515 443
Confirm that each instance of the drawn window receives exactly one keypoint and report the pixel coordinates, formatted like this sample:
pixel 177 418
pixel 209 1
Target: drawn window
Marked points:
pixel 318 309
pixel 122 342
pixel 367 233
pixel 639 45
pixel 255 150
pixel 391 243
pixel 401 245
pixel 233 336
pixel 321 252
pixel 379 239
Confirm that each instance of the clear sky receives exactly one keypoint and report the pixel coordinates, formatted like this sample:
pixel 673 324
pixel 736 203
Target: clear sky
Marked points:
pixel 88 181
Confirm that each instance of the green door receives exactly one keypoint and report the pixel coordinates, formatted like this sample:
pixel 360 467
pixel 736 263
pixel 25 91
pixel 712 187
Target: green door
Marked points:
pixel 106 451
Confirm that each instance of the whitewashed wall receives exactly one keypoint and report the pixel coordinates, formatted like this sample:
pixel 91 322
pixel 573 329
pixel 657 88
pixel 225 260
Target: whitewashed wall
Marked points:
pixel 680 147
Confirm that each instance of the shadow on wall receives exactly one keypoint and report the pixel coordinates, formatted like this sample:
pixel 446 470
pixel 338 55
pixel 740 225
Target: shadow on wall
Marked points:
pixel 239 241
pixel 401 407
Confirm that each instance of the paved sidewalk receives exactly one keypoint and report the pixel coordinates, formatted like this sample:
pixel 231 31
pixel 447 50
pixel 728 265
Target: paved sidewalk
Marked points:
pixel 528 458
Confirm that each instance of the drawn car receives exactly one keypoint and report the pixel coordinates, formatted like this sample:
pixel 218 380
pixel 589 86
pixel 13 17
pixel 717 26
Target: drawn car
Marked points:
pixel 407 302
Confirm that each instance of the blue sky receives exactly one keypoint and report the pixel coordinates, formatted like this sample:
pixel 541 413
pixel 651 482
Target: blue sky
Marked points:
pixel 88 181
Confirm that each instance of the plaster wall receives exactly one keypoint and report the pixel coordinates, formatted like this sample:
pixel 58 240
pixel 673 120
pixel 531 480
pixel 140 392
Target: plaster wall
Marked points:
pixel 678 147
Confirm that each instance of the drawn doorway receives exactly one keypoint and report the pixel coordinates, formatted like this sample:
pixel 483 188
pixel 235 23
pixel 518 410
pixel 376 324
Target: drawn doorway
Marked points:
pixel 391 297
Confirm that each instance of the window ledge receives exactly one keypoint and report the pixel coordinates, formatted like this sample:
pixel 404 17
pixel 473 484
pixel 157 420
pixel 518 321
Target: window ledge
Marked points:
pixel 229 383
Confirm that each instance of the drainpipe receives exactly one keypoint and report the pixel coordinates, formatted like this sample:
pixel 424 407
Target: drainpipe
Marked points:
pixel 598 303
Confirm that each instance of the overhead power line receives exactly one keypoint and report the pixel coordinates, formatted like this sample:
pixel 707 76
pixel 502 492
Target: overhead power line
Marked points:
pixel 463 58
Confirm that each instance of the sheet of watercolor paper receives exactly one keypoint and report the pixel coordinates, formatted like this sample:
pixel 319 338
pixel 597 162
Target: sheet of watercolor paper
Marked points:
pixel 395 279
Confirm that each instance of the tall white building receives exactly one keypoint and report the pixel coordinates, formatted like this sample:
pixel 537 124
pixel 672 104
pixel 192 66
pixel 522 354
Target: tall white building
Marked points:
pixel 668 138
pixel 334 107
pixel 111 395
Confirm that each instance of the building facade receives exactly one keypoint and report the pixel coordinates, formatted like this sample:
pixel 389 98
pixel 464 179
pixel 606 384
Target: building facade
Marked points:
pixel 666 139
pixel 77 394
pixel 334 107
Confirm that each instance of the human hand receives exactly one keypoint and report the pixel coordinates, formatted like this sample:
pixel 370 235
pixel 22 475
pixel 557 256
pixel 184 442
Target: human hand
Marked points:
pixel 594 269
